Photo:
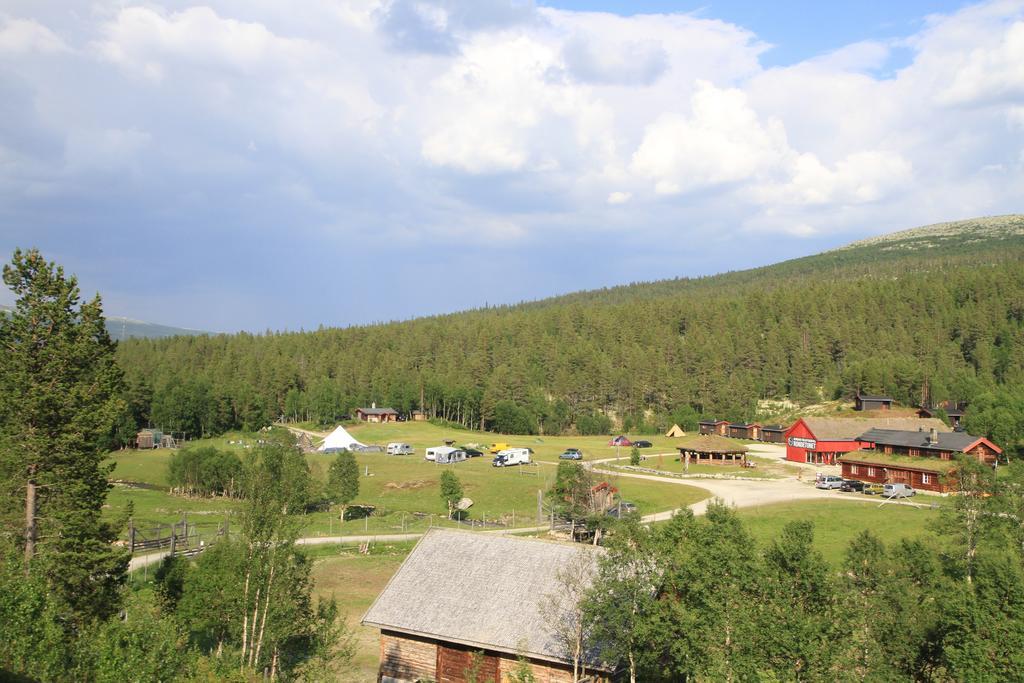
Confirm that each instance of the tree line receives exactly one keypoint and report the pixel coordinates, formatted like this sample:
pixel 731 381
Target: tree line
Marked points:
pixel 921 330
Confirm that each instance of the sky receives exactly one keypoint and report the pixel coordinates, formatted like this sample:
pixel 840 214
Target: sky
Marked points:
pixel 257 165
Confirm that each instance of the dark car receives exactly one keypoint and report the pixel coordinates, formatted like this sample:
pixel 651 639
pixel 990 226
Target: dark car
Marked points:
pixel 621 509
pixel 642 444
pixel 572 454
pixel 851 486
pixel 472 452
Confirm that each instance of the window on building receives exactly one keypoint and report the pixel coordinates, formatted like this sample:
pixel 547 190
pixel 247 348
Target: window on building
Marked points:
pixel 871 471
pixel 854 469
pixel 926 478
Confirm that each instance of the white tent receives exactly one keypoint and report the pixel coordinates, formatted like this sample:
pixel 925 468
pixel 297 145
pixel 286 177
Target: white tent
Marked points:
pixel 338 439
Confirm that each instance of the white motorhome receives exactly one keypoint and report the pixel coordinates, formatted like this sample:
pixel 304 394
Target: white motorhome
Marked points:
pixel 433 452
pixel 400 449
pixel 512 456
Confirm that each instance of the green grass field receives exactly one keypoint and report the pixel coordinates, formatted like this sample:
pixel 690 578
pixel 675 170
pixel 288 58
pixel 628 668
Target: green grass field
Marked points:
pixel 836 523
pixel 403 490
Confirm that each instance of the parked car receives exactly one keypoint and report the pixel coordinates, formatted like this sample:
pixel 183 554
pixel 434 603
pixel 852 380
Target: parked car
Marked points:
pixel 897 491
pixel 829 482
pixel 852 486
pixel 472 452
pixel 498 447
pixel 571 454
pixel 621 509
pixel 642 444
pixel 872 489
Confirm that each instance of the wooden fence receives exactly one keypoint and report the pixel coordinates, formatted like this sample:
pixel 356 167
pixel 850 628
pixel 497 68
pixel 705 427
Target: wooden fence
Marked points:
pixel 181 538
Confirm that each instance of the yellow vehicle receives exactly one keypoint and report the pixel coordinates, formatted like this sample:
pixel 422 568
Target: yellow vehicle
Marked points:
pixel 495 447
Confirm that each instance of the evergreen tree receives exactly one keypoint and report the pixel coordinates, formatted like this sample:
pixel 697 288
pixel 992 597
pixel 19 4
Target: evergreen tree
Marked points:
pixel 59 389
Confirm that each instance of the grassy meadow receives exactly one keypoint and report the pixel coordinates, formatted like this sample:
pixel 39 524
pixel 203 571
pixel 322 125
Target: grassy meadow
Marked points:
pixel 403 490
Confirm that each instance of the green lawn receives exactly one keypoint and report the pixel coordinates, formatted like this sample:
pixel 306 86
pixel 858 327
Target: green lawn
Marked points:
pixel 402 489
pixel 836 523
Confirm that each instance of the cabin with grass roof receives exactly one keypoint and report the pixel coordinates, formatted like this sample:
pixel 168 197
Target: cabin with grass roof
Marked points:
pixel 710 449
pixel 922 459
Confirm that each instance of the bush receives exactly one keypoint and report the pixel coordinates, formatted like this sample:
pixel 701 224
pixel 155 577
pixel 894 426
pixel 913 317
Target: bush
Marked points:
pixel 205 471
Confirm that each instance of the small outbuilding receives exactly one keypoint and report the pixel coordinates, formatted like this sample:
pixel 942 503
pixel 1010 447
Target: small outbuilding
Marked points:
pixel 866 402
pixel 745 430
pixel 773 434
pixel 712 426
pixel 463 600
pixel 711 449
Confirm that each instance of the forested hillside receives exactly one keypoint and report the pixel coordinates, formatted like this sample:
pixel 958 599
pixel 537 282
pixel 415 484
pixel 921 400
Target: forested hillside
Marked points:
pixel 932 313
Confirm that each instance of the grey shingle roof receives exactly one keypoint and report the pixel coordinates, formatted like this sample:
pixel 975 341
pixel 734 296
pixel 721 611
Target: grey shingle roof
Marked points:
pixel 480 590
pixel 849 428
pixel 947 441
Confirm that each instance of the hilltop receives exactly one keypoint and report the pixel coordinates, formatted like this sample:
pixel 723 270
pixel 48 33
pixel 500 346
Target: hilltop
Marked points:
pixel 933 313
pixel 125 328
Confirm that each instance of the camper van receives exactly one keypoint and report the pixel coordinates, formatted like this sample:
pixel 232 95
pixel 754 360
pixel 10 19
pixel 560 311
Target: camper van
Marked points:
pixel 452 456
pixel 400 449
pixel 512 456
pixel 435 451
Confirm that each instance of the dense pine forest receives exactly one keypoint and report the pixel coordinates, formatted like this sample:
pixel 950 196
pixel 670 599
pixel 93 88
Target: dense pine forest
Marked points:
pixel 925 315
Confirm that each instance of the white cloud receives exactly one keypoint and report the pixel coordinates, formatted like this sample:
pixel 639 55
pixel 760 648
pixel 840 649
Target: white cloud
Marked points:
pixel 21 36
pixel 721 141
pixel 514 121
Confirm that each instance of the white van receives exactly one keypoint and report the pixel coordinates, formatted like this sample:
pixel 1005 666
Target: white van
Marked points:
pixel 897 491
pixel 400 449
pixel 512 456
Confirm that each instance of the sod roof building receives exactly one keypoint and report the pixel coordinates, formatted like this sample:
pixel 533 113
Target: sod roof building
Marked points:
pixel 821 440
pixel 462 599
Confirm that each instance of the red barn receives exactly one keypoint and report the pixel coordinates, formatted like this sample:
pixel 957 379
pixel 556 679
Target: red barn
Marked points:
pixel 821 440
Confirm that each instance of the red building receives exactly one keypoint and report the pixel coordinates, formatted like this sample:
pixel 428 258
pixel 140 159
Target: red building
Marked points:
pixel 922 459
pixel 821 440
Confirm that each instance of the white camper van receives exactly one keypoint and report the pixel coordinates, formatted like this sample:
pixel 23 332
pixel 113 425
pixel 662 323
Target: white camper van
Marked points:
pixel 433 452
pixel 512 456
pixel 400 449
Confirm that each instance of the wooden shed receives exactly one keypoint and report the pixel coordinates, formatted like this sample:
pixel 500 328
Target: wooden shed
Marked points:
pixel 376 414
pixel 773 434
pixel 867 402
pixel 461 596
pixel 744 430
pixel 711 449
pixel 719 427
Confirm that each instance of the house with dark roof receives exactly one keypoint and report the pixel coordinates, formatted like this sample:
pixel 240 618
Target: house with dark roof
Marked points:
pixel 866 402
pixel 821 440
pixel 375 414
pixel 744 430
pixel 464 599
pixel 712 426
pixel 922 459
pixel 954 411
pixel 773 433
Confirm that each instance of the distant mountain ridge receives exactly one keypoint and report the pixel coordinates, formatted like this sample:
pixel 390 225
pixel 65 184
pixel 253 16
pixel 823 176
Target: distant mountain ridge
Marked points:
pixel 125 328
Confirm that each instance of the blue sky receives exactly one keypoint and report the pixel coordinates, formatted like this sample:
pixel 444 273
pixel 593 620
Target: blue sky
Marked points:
pixel 231 165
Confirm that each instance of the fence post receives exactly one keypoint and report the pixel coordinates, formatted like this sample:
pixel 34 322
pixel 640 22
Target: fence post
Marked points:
pixel 131 537
pixel 174 538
